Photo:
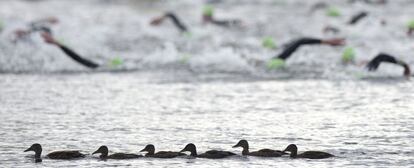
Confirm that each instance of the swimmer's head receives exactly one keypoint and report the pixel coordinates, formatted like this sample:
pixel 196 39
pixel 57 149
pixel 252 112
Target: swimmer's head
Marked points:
pixel 348 55
pixel 411 24
pixel 116 62
pixel 275 63
pixel 333 12
pixel 208 11
pixel 185 58
pixel 269 43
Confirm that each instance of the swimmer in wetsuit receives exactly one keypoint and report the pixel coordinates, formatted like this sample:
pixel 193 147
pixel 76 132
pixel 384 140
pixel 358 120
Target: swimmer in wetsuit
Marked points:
pixel 374 63
pixel 180 26
pixel 49 39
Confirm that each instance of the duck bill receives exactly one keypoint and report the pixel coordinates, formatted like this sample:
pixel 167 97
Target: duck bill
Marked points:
pixel 144 150
pixel 96 152
pixel 235 146
pixel 27 150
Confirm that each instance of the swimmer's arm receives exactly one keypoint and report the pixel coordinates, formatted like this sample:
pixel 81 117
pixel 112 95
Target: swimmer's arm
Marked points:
pixel 293 46
pixel 382 57
pixel 226 23
pixel 355 19
pixel 77 58
pixel 176 21
pixel 49 39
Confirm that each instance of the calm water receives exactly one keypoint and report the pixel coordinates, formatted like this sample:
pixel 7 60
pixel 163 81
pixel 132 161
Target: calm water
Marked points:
pixel 215 98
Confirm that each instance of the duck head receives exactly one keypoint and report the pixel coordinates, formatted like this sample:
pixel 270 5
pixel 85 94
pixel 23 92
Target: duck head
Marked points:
pixel 190 148
pixel 149 148
pixel 244 144
pixel 37 148
pixel 293 149
pixel 103 150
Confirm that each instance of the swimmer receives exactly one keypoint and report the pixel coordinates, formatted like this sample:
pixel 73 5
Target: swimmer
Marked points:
pixel 374 63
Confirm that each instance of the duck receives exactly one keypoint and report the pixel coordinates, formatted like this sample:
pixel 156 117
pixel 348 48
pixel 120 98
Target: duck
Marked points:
pixel 211 154
pixel 103 150
pixel 61 155
pixel 293 149
pixel 150 149
pixel 260 153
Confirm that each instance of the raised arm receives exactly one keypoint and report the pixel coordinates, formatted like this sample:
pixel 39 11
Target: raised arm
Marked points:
pixel 177 22
pixel 356 18
pixel 382 58
pixel 49 39
pixel 293 46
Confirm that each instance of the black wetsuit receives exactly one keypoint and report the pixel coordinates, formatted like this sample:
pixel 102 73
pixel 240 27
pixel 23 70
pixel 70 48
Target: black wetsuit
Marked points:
pixel 226 23
pixel 177 21
pixel 78 58
pixel 382 57
pixel 370 1
pixel 293 46
pixel 355 19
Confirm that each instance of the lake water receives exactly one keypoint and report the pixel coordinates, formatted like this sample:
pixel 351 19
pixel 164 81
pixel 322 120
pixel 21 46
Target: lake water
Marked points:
pixel 173 89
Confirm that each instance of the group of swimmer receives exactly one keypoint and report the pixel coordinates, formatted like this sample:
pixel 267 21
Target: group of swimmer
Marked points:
pixel 291 151
pixel 43 26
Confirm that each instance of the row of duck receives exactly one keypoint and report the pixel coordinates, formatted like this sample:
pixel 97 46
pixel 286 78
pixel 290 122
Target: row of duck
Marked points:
pixel 291 150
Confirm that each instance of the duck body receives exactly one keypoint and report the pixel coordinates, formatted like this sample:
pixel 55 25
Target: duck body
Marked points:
pixel 211 154
pixel 103 150
pixel 216 154
pixel 165 154
pixel 266 153
pixel 161 154
pixel 120 156
pixel 260 153
pixel 293 149
pixel 314 155
pixel 65 155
